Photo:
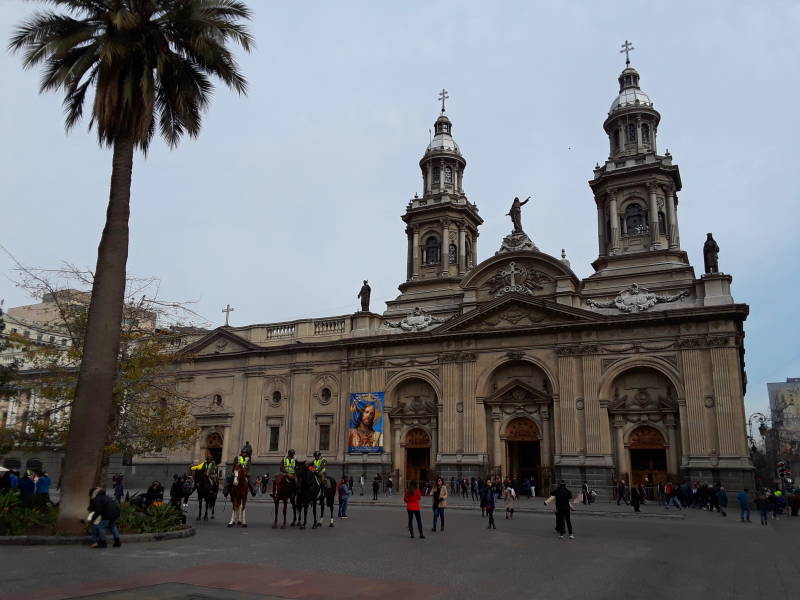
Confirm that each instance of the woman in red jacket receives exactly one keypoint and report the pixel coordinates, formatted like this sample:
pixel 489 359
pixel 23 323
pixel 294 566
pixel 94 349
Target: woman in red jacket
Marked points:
pixel 411 498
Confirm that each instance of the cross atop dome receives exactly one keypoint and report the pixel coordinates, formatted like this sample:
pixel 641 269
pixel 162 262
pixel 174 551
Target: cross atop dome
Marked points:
pixel 443 96
pixel 626 48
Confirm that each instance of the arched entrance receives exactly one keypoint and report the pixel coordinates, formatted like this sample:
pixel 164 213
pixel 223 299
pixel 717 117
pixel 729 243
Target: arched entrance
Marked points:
pixel 648 455
pixel 418 455
pixel 214 447
pixel 523 450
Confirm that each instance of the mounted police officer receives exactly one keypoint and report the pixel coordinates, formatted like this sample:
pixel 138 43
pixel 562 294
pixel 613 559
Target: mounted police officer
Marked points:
pixel 320 467
pixel 289 468
pixel 243 460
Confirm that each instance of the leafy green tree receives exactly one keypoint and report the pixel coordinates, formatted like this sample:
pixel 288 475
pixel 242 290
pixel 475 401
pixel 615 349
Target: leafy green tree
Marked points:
pixel 148 63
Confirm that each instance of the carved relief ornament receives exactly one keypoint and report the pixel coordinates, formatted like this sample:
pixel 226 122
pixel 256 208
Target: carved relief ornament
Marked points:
pixel 636 299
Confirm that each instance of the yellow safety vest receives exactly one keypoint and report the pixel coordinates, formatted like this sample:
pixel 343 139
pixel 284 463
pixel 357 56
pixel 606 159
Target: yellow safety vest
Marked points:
pixel 289 465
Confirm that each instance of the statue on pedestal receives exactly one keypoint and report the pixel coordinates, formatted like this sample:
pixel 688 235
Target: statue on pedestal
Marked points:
pixel 711 255
pixel 516 213
pixel 364 295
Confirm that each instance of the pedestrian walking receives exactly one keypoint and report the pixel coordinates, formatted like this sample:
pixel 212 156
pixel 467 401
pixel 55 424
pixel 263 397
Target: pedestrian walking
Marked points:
pixel 672 496
pixel 586 497
pixel 563 502
pixel 622 495
pixel 744 505
pixel 439 503
pixel 762 505
pixel 361 482
pixel 488 503
pixel 509 499
pixel 722 501
pixel 119 490
pixel 636 498
pixel 389 486
pixel 344 498
pixel 412 498
pixel 103 513
pixel 376 485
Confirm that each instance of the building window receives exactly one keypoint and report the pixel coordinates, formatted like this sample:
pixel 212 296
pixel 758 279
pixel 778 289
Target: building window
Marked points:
pixel 662 223
pixel 615 140
pixel 631 133
pixel 217 400
pixel 52 339
pixel 635 219
pixel 468 251
pixel 432 250
pixel 38 337
pixel 645 133
pixel 325 394
pixel 274 436
pixel 448 175
pixel 436 172
pixel 276 397
pixel 27 333
pixel 324 438
pixel 63 341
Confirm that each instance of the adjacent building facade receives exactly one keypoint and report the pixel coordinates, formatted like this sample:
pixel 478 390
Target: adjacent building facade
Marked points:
pixel 784 404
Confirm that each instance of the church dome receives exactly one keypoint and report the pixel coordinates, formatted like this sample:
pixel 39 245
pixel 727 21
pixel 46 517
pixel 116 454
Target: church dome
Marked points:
pixel 630 94
pixel 443 140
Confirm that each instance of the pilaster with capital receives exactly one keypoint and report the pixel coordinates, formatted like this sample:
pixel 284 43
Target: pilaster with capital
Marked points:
pixel 416 258
pixel 462 250
pixel 601 230
pixel 655 244
pixel 672 218
pixel 614 218
pixel 445 247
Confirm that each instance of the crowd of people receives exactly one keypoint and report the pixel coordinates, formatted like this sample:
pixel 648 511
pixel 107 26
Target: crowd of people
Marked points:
pixel 33 486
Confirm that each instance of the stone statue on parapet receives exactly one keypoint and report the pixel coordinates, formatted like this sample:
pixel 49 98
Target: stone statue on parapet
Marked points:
pixel 516 213
pixel 364 295
pixel 711 255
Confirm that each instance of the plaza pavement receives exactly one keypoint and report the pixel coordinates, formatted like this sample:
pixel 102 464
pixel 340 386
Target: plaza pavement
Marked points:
pixel 370 555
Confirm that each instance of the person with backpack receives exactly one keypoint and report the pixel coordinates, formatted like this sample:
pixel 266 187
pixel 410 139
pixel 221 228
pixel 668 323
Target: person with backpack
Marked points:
pixel 103 513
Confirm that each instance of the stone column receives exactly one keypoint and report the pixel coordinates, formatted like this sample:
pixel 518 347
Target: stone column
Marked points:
pixel 497 460
pixel 654 233
pixel 429 182
pixel 673 466
pixel 462 250
pixel 601 230
pixel 471 421
pixel 729 402
pixel 410 254
pixel 612 209
pixel 672 219
pixel 556 427
pixel 415 257
pixel 622 454
pixel 684 430
pixel 546 453
pixel 445 248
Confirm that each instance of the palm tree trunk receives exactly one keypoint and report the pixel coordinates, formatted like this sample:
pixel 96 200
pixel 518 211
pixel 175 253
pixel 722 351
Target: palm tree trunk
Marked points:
pixel 93 396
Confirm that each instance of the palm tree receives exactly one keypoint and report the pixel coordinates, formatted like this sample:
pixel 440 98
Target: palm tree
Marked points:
pixel 149 64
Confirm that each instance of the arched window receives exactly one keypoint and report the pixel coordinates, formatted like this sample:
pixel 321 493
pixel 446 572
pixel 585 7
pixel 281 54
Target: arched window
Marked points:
pixel 325 394
pixel 635 219
pixel 436 172
pixel 452 254
pixel 276 396
pixel 662 223
pixel 432 250
pixel 217 400
pixel 631 133
pixel 615 140
pixel 645 133
pixel 448 175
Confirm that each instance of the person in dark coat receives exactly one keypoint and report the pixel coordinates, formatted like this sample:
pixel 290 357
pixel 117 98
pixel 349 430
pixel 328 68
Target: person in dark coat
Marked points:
pixel 27 489
pixel 488 502
pixel 563 499
pixel 103 512
pixel 636 498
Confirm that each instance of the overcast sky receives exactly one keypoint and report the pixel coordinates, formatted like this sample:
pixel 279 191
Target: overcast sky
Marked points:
pixel 292 195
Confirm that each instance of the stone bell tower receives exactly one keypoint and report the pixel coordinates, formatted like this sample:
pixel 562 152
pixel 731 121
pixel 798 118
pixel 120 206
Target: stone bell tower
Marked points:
pixel 635 192
pixel 441 225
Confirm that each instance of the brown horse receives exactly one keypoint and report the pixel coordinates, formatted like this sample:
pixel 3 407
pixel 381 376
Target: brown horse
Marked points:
pixel 284 489
pixel 239 489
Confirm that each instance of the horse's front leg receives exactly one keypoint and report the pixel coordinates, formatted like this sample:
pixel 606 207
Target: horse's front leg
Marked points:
pixel 199 506
pixel 330 506
pixel 233 515
pixel 244 515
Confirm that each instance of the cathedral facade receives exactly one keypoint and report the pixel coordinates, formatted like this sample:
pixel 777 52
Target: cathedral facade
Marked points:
pixel 512 366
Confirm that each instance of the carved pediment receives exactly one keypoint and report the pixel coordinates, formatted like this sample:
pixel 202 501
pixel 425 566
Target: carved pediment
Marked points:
pixel 518 393
pixel 515 311
pixel 642 400
pixel 219 341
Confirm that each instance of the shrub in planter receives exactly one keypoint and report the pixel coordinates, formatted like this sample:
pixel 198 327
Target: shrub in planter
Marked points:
pixel 16 519
pixel 154 519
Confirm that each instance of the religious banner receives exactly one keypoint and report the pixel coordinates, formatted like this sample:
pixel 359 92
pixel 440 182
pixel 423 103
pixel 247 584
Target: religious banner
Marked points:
pixel 366 423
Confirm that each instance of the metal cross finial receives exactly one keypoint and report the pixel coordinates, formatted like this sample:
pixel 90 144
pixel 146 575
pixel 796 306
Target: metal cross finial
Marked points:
pixel 227 310
pixel 626 48
pixel 443 96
